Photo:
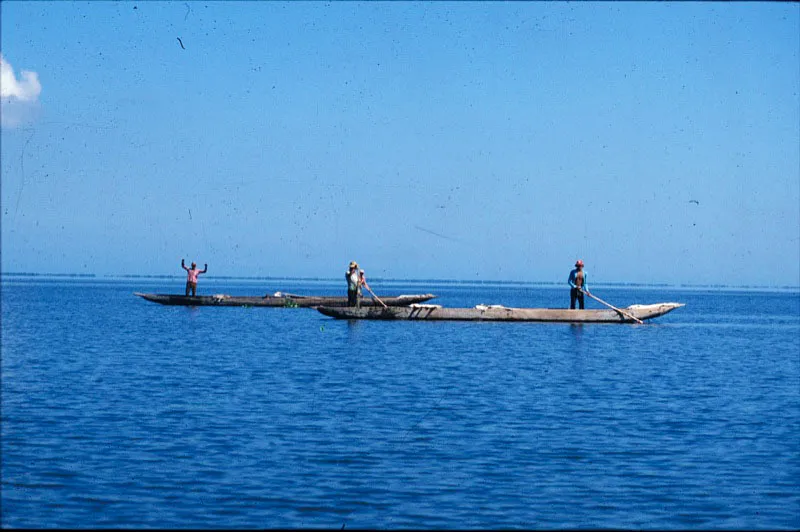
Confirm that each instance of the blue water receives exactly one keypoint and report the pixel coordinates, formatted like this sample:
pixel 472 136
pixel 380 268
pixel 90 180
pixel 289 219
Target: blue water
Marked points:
pixel 117 412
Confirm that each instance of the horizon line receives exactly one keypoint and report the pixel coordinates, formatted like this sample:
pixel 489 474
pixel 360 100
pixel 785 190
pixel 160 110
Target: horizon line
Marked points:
pixel 387 279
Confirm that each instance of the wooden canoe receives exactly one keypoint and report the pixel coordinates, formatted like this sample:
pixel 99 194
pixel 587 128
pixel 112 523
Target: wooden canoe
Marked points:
pixel 500 313
pixel 276 300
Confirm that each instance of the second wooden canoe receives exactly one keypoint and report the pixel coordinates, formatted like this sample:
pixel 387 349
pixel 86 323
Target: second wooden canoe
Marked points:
pixel 500 313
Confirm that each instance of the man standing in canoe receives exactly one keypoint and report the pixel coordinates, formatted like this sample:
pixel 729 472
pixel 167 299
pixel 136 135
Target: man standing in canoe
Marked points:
pixel 578 286
pixel 191 278
pixel 354 282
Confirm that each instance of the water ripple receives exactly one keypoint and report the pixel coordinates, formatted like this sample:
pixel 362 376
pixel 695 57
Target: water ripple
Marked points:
pixel 121 413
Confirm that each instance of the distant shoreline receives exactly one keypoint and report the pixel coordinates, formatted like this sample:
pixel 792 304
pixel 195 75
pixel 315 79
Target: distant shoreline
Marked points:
pixel 455 282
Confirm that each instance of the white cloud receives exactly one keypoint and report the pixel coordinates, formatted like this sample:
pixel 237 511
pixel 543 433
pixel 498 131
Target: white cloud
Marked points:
pixel 18 96
pixel 26 89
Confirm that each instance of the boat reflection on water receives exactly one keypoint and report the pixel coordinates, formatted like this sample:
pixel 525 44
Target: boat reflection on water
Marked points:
pixel 577 329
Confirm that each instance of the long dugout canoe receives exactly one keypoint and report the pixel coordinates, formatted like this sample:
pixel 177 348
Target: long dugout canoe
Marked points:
pixel 276 300
pixel 500 313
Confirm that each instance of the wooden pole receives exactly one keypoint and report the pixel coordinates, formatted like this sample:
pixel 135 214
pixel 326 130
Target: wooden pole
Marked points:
pixel 631 316
pixel 374 296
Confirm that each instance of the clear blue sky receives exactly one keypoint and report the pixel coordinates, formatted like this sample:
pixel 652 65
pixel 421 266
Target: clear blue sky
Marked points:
pixel 659 142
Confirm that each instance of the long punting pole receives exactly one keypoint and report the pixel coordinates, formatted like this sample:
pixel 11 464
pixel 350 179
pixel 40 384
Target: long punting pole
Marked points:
pixel 631 316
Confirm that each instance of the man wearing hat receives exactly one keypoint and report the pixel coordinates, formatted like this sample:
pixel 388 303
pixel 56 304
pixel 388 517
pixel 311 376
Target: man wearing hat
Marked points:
pixel 354 282
pixel 577 283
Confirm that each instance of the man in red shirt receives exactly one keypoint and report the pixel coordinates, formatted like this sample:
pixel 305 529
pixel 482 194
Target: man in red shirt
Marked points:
pixel 191 278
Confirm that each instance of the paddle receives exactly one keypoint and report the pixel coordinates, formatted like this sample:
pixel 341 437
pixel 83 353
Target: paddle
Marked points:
pixel 374 296
pixel 631 316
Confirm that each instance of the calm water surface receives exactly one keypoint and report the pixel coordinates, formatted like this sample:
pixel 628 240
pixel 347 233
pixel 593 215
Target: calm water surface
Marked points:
pixel 117 412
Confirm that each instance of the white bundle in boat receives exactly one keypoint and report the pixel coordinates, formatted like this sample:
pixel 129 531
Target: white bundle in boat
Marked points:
pixel 487 307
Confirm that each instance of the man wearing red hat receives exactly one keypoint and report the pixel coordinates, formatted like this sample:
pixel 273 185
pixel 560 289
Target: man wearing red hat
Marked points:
pixel 577 283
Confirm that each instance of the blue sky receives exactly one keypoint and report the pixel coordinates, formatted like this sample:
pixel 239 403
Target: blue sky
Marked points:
pixel 659 142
